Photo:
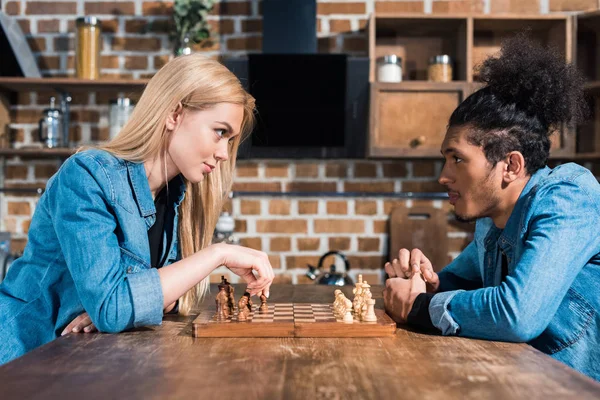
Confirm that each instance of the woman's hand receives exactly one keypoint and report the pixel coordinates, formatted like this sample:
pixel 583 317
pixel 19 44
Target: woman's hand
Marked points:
pixel 410 263
pixel 79 324
pixel 242 261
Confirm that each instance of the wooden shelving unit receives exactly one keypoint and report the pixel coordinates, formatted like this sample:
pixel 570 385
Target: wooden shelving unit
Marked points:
pixel 35 152
pixel 587 55
pixel 11 85
pixel 409 119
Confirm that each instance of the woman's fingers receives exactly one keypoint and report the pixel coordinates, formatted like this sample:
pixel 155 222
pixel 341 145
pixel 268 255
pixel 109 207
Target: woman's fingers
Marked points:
pixel 245 261
pixel 83 323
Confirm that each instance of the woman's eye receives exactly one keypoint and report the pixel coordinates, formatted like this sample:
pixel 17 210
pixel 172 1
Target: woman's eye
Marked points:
pixel 220 132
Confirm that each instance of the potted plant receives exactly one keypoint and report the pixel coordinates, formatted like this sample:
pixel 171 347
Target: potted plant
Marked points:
pixel 190 24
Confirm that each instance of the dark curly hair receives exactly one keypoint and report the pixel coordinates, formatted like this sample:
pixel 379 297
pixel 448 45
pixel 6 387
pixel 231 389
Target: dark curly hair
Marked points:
pixel 530 92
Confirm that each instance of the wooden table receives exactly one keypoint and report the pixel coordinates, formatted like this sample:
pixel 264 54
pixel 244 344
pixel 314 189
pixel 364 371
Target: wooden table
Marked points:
pixel 167 362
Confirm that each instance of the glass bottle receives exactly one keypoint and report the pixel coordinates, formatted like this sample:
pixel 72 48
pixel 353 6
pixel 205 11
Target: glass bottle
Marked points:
pixel 87 47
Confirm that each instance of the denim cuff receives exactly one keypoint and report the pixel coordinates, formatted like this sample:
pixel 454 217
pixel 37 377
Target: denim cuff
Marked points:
pixel 146 292
pixel 440 316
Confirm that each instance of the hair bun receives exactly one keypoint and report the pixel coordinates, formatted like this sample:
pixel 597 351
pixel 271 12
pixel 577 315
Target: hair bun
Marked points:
pixel 537 80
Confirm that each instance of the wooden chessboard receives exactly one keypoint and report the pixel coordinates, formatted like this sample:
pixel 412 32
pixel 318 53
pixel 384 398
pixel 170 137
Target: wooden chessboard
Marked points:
pixel 291 320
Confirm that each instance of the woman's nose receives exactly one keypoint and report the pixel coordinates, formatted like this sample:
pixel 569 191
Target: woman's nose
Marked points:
pixel 222 153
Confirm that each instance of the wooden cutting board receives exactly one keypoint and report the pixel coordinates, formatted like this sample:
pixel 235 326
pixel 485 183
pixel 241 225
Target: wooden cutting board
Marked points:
pixel 422 227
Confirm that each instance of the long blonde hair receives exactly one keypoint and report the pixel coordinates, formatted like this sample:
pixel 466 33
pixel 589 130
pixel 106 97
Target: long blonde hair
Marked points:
pixel 197 83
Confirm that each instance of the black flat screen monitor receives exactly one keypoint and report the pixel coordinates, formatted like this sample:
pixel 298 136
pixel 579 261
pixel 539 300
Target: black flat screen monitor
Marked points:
pixel 300 99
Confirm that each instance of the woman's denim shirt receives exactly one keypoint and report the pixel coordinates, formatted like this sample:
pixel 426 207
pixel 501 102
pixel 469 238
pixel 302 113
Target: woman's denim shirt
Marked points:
pixel 87 251
pixel 551 296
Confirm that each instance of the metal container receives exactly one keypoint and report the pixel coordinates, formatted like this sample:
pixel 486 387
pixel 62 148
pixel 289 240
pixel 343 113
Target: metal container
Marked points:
pixel 440 68
pixel 389 68
pixel 50 127
pixel 119 112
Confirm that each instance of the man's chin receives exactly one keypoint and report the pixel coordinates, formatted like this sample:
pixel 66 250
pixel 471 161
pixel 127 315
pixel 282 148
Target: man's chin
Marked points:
pixel 464 217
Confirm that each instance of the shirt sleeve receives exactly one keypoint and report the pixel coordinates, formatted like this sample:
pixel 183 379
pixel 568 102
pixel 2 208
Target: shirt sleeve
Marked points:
pixel 419 313
pixel 562 237
pixel 82 209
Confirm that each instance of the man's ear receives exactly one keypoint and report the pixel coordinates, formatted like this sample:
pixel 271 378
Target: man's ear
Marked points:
pixel 174 117
pixel 515 166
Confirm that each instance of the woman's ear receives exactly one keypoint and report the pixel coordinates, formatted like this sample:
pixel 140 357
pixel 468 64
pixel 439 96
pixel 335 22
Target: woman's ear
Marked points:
pixel 174 117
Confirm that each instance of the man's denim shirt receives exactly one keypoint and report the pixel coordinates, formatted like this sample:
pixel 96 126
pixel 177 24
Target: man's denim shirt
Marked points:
pixel 551 296
pixel 87 251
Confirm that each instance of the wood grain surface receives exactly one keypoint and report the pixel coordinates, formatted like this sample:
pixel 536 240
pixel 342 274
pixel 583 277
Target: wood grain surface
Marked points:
pixel 166 362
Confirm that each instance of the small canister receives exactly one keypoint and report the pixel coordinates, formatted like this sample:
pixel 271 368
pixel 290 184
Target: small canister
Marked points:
pixel 50 127
pixel 440 68
pixel 389 68
pixel 119 112
pixel 87 48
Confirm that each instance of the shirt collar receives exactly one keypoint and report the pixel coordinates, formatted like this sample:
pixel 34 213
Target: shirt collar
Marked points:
pixel 141 188
pixel 510 231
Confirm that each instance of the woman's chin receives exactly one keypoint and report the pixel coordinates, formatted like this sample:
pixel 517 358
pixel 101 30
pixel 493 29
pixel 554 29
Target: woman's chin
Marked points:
pixel 195 178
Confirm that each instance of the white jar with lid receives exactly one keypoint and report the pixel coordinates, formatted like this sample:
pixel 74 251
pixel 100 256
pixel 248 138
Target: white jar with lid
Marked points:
pixel 119 112
pixel 389 68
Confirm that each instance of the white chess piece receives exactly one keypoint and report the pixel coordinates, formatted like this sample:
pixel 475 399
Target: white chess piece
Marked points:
pixel 370 314
pixel 348 312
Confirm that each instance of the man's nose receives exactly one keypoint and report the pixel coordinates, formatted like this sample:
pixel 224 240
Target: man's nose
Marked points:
pixel 445 178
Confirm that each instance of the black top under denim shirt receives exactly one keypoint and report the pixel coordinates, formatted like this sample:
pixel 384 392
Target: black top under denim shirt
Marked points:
pixel 419 313
pixel 160 231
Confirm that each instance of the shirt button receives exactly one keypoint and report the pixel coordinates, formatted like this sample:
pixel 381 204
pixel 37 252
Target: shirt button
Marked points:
pixel 129 270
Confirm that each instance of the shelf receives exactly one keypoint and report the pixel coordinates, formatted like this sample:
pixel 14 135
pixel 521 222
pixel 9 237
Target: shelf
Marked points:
pixel 588 45
pixel 16 84
pixel 423 86
pixel 490 31
pixel 34 152
pixel 416 40
pixel 576 157
pixel 593 86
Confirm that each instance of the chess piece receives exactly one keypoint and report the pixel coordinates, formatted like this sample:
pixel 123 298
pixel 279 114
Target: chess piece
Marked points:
pixel 231 299
pixel 336 301
pixel 366 297
pixel 219 316
pixel 249 301
pixel 243 309
pixel 339 305
pixel 348 312
pixel 222 303
pixel 370 312
pixel 357 301
pixel 263 303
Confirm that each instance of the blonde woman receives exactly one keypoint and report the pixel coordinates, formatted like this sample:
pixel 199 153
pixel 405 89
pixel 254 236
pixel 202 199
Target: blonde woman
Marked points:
pixel 123 232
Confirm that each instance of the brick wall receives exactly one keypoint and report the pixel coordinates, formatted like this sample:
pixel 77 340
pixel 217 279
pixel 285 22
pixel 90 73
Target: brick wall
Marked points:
pixel 293 230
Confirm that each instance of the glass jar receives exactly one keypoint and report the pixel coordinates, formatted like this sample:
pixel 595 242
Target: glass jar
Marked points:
pixel 119 112
pixel 87 48
pixel 389 68
pixel 440 68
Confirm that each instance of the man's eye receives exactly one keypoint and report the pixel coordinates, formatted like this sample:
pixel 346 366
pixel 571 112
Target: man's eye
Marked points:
pixel 457 159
